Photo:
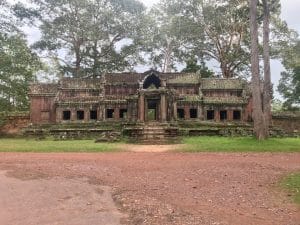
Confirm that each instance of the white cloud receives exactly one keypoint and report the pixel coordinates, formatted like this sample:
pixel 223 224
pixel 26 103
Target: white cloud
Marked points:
pixel 149 3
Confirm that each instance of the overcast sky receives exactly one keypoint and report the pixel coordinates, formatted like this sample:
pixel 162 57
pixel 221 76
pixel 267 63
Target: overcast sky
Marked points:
pixel 290 13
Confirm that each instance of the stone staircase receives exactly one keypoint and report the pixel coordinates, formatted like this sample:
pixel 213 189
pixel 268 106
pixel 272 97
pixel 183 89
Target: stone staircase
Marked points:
pixel 153 133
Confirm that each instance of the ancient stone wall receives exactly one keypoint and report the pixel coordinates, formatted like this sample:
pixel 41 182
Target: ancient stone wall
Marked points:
pixel 287 121
pixel 14 123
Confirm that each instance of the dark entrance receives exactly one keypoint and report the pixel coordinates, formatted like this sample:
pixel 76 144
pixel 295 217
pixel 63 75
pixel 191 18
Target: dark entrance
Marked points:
pixel 152 109
pixel 223 115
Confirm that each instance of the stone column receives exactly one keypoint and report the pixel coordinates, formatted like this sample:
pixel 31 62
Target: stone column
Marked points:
pixel 100 113
pixel 175 110
pixel 186 112
pixel 129 111
pixel 199 112
pixel 217 115
pixel 163 107
pixel 104 112
pixel 73 115
pixel 86 115
pixel 142 108
pixel 117 113
pixel 59 116
pixel 230 115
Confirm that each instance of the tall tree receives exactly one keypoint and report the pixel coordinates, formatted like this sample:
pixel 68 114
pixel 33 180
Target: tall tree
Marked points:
pixel 258 116
pixel 289 84
pixel 267 92
pixel 218 30
pixel 162 41
pixel 113 35
pixel 18 64
pixel 93 36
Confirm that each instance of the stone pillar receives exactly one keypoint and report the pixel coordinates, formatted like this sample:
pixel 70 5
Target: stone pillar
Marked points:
pixel 186 112
pixel 230 115
pixel 129 111
pixel 217 115
pixel 200 112
pixel 163 107
pixel 117 113
pixel 141 108
pixel 59 116
pixel 73 115
pixel 100 113
pixel 175 110
pixel 104 113
pixel 86 115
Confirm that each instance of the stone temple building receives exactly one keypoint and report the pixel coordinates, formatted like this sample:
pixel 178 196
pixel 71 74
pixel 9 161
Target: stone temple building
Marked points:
pixel 141 98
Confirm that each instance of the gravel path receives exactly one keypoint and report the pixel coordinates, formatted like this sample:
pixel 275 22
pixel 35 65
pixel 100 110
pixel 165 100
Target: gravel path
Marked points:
pixel 158 188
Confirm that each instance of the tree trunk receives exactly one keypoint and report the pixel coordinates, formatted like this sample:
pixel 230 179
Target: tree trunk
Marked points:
pixel 267 94
pixel 167 58
pixel 226 73
pixel 258 116
pixel 77 63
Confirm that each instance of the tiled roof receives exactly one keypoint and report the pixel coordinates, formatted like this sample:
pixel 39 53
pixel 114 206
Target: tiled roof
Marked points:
pixel 220 83
pixel 36 89
pixel 190 78
pixel 79 83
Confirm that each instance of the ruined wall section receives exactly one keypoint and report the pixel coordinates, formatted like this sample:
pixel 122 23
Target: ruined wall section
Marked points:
pixel 287 121
pixel 42 103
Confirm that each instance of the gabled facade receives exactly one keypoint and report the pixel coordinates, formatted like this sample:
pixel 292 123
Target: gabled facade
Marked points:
pixel 141 97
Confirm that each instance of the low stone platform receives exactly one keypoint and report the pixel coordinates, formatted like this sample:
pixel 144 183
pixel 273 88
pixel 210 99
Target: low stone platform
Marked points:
pixel 153 133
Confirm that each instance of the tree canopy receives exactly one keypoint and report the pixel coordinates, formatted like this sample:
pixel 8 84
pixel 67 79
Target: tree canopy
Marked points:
pixel 18 64
pixel 87 37
pixel 289 84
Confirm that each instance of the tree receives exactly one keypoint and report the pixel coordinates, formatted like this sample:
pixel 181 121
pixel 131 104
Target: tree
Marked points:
pixel 267 88
pixel 94 36
pixel 289 84
pixel 217 30
pixel 18 65
pixel 258 116
pixel 192 66
pixel 161 40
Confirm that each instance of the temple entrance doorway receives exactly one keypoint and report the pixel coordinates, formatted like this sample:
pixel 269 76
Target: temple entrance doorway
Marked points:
pixel 152 110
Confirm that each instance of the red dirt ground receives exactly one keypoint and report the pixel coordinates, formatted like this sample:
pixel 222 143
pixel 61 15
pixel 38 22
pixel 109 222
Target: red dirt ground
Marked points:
pixel 169 188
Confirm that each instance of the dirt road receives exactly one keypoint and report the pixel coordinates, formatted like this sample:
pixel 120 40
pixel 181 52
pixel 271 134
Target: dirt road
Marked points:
pixel 146 188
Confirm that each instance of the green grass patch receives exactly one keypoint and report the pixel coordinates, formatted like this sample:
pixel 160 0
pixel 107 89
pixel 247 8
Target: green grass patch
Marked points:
pixel 31 145
pixel 240 144
pixel 292 185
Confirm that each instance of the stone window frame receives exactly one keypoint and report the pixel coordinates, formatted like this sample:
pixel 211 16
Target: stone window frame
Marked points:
pixel 193 113
pixel 64 117
pixel 240 115
pixel 80 114
pixel 93 116
pixel 109 113
pixel 180 113
pixel 210 112
pixel 122 112
pixel 223 114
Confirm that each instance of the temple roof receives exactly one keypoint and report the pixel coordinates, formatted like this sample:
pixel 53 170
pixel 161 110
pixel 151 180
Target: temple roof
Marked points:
pixel 221 83
pixel 135 79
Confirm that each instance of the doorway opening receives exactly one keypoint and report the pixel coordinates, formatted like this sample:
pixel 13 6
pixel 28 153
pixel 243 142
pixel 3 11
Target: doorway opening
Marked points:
pixel 152 108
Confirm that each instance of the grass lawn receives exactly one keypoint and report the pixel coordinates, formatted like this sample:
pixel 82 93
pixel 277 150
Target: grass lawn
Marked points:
pixel 31 145
pixel 240 144
pixel 292 184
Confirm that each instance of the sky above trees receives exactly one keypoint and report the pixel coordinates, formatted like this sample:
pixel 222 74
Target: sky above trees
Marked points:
pixel 289 13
